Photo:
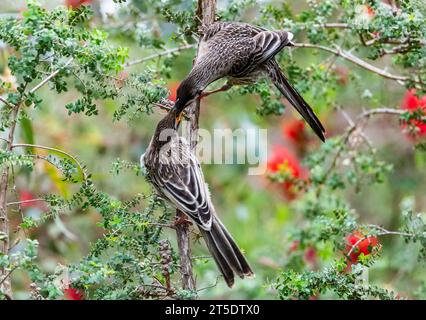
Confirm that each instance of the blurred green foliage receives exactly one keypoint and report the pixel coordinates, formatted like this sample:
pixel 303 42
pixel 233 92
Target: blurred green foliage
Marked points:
pixel 86 84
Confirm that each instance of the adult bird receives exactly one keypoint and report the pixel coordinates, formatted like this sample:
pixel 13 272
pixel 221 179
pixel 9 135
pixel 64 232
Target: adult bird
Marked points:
pixel 242 53
pixel 175 172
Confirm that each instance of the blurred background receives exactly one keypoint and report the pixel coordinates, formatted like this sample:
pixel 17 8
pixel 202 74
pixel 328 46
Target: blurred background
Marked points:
pixel 259 213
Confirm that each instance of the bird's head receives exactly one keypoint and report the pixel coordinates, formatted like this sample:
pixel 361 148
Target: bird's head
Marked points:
pixel 172 120
pixel 166 128
pixel 187 92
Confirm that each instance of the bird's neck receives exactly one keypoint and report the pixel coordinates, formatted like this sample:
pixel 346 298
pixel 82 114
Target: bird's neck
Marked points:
pixel 200 76
pixel 165 129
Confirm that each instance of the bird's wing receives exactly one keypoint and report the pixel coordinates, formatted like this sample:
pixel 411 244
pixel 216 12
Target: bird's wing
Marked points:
pixel 212 29
pixel 181 180
pixel 257 49
pixel 269 43
pixel 232 28
pixel 291 94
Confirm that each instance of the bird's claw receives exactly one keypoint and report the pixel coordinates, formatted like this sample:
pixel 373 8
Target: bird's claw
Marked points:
pixel 225 87
pixel 182 220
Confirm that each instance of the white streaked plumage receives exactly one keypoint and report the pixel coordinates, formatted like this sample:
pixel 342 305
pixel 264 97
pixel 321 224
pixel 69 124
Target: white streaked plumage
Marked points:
pixel 176 174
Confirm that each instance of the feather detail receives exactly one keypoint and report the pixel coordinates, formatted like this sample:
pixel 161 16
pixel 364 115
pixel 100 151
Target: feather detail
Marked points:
pixel 291 94
pixel 176 174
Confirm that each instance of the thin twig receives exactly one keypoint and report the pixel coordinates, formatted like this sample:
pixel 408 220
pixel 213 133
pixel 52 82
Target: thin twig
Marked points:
pixel 386 232
pixel 406 41
pixel 353 125
pixel 6 102
pixel 333 25
pixel 51 76
pixel 368 113
pixel 383 232
pixel 211 286
pixel 54 150
pixel 160 54
pixel 358 61
pixel 162 225
pixel 8 275
pixel 24 201
pixel 37 156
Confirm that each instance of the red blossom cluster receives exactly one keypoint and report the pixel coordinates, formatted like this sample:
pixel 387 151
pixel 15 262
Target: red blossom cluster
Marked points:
pixel 357 244
pixel 76 3
pixel 295 131
pixel 25 197
pixel 28 200
pixel 413 103
pixel 309 254
pixel 73 294
pixel 284 161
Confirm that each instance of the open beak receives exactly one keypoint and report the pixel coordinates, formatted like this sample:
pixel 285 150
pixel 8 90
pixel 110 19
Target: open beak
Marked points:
pixel 178 119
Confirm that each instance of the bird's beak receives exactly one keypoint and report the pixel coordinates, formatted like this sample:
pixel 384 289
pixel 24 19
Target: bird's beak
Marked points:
pixel 178 119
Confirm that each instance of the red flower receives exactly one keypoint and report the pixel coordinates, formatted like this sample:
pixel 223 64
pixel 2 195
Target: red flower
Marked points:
pixel 73 294
pixel 413 103
pixel 76 3
pixel 173 88
pixel 294 131
pixel 358 243
pixel 294 246
pixel 26 196
pixel 283 161
pixel 363 14
pixel 310 256
pixel 370 11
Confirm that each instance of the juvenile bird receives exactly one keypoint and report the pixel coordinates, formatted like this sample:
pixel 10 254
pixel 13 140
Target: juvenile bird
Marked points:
pixel 175 172
pixel 242 53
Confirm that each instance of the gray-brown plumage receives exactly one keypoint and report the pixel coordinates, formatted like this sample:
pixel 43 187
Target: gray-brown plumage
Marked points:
pixel 176 174
pixel 242 53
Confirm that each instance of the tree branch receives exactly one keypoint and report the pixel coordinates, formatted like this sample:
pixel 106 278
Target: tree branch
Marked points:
pixel 51 76
pixel 206 13
pixel 24 201
pixel 353 125
pixel 54 150
pixel 157 55
pixel 7 275
pixel 6 102
pixel 368 113
pixel 383 232
pixel 5 286
pixel 354 59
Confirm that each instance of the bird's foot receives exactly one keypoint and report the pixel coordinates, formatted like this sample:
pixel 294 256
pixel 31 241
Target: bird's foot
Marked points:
pixel 225 87
pixel 182 220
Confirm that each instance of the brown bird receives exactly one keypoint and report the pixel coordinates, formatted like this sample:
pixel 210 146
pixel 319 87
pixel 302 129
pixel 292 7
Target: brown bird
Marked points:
pixel 176 174
pixel 242 53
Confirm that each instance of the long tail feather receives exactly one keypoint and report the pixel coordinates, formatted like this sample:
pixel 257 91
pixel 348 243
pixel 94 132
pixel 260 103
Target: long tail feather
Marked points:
pixel 226 253
pixel 291 94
